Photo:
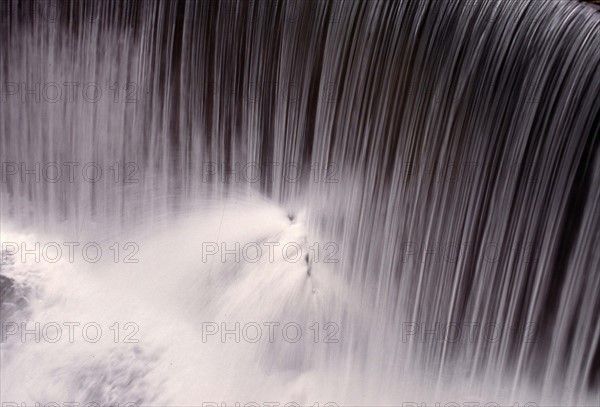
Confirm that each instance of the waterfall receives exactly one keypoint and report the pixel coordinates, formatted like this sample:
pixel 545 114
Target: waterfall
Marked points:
pixel 437 160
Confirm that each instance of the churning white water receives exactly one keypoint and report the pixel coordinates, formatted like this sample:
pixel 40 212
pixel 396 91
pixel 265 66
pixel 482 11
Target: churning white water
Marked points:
pixel 300 202
pixel 174 309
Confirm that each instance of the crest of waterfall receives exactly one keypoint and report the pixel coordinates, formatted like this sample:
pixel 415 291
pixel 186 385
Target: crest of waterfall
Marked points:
pixel 448 148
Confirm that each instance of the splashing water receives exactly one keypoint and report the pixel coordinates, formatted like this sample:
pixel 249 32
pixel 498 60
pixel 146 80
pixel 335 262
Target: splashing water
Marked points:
pixel 431 169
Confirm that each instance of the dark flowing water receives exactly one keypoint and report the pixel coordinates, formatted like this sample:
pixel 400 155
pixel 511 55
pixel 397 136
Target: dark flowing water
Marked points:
pixel 442 155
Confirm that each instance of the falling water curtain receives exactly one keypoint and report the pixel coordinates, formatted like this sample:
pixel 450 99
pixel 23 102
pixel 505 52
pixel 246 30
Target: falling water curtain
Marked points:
pixel 455 144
